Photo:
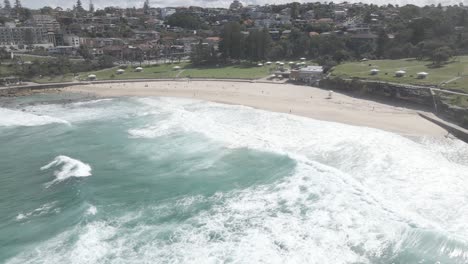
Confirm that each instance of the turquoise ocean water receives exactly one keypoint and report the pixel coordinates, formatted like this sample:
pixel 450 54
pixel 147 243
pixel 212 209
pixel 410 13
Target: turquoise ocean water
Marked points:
pixel 165 180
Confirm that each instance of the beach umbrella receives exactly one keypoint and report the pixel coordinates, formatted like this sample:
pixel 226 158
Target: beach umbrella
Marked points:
pixel 176 67
pixel 268 62
pixel 91 77
pixel 374 71
pixel 139 69
pixel 281 63
pixel 291 62
pixel 400 73
pixel 120 71
pixel 259 65
pixel 422 75
pixel 303 59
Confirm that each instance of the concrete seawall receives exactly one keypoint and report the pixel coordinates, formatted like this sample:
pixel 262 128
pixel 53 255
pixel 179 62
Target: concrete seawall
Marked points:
pixel 455 130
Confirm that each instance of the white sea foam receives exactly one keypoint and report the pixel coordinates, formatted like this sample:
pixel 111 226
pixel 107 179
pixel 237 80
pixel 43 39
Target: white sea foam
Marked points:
pixel 70 168
pixel 43 209
pixel 405 176
pixel 10 117
pixel 357 195
pixel 84 103
pixel 92 210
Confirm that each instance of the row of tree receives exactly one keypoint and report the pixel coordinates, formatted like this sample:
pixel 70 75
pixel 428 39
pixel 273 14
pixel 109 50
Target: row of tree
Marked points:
pixel 236 45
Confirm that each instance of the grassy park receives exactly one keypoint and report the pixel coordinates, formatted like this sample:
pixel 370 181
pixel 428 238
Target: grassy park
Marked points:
pixel 162 71
pixel 453 74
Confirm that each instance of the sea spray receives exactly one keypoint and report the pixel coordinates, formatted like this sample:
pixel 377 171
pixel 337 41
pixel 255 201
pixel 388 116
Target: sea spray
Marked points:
pixel 70 168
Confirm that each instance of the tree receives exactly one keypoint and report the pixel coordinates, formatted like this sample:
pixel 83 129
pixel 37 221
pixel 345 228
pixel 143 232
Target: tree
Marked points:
pixel 91 6
pixel 106 61
pixel 28 37
pixel 295 10
pixel 203 54
pixel 18 4
pixel 441 55
pixel 85 53
pixel 46 10
pixel 79 6
pixel 146 7
pixel 258 45
pixel 184 21
pixel 382 40
pixel 232 41
pixel 6 5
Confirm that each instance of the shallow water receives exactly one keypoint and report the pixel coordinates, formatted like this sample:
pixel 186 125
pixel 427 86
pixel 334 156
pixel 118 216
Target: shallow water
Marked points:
pixel 159 180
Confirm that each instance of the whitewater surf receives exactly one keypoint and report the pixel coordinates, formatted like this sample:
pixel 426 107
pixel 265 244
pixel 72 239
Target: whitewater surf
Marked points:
pixel 159 180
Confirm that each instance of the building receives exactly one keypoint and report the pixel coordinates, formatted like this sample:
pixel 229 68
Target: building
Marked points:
pixel 146 35
pixel 72 40
pixel 23 36
pixel 62 50
pixel 44 21
pixel 309 74
pixel 168 11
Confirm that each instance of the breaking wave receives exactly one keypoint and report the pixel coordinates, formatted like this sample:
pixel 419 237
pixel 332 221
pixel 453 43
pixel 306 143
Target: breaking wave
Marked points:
pixel 353 195
pixel 69 168
pixel 18 118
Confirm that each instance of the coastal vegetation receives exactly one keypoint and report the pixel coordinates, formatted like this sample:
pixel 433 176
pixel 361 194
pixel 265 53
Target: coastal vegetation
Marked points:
pixel 450 75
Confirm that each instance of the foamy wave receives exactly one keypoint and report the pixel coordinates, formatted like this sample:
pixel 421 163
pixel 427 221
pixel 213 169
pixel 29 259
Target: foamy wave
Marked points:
pixel 319 215
pixel 358 195
pixel 92 210
pixel 92 102
pixel 18 118
pixel 70 168
pixel 44 209
pixel 393 168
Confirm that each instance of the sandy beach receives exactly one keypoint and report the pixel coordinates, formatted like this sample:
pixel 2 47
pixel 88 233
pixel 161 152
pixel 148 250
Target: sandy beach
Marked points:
pixel 287 98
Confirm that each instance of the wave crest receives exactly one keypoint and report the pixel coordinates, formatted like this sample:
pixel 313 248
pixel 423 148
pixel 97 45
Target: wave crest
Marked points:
pixel 70 168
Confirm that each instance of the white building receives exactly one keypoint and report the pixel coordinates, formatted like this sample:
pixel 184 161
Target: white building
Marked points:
pixel 72 40
pixel 165 12
pixel 309 74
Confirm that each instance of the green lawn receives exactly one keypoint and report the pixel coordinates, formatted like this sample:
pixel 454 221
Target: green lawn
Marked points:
pixel 26 57
pixel 54 79
pixel 186 70
pixel 437 76
pixel 226 72
pixel 149 72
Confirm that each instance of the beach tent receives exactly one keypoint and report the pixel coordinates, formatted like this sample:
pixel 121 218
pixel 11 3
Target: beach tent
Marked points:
pixel 422 75
pixel 91 77
pixel 139 69
pixel 400 73
pixel 268 63
pixel 278 62
pixel 291 62
pixel 303 59
pixel 176 68
pixel 374 71
pixel 281 63
pixel 259 65
pixel 365 59
pixel 120 71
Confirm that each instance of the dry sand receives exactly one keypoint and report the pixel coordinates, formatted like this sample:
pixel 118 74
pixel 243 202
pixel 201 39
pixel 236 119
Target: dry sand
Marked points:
pixel 298 100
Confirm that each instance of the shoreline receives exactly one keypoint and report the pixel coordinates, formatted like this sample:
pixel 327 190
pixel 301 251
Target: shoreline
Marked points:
pixel 285 98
